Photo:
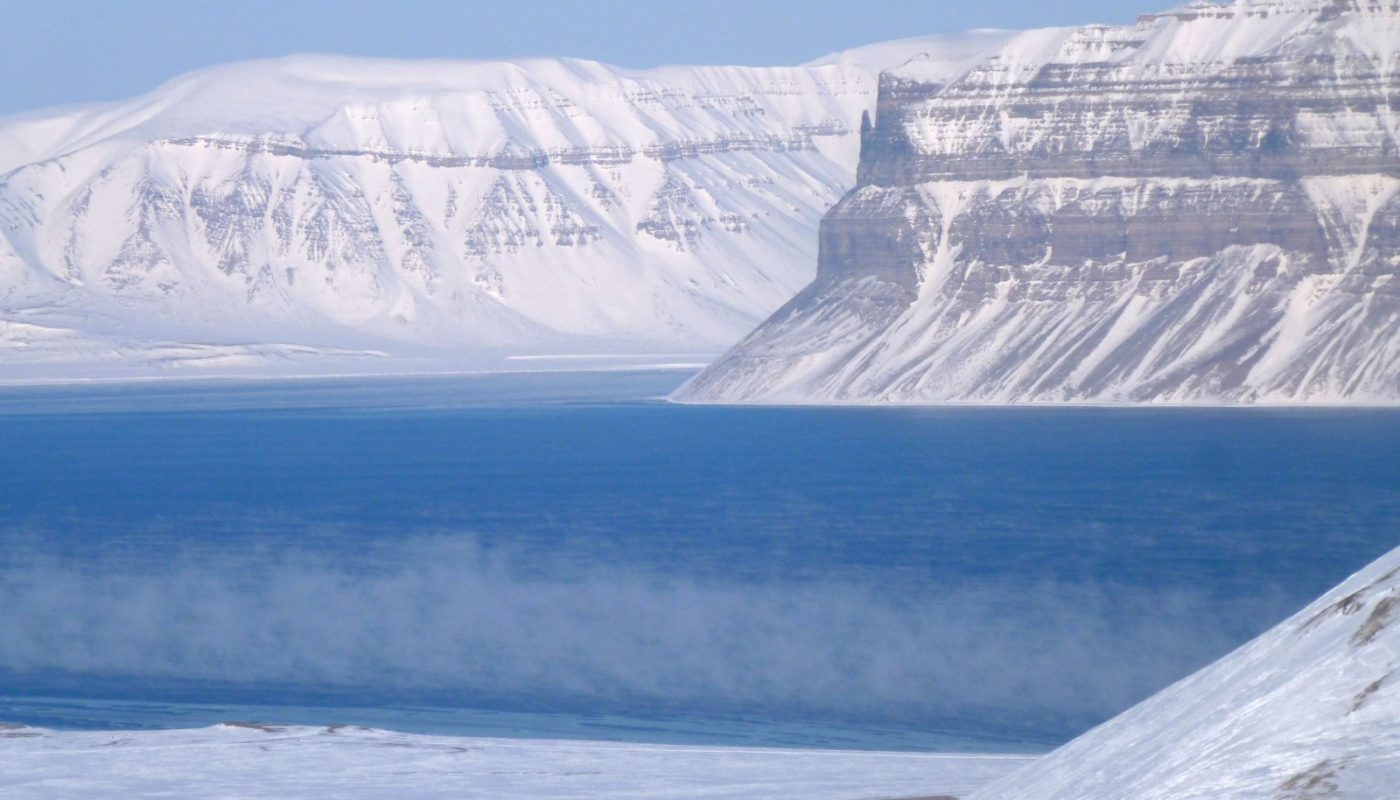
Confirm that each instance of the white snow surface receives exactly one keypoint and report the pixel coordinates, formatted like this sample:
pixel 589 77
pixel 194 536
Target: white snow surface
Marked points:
pixel 1310 710
pixel 936 59
pixel 249 761
pixel 438 212
pixel 1197 36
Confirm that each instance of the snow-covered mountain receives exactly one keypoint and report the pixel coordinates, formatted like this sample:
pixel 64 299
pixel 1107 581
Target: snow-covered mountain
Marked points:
pixel 323 210
pixel 1200 207
pixel 1309 710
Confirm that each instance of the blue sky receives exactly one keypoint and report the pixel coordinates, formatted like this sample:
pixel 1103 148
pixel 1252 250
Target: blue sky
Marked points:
pixel 66 51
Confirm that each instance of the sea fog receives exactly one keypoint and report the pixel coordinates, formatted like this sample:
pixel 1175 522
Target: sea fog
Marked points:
pixel 570 545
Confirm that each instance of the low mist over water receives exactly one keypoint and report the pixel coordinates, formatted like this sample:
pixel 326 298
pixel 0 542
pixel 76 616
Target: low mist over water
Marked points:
pixel 997 572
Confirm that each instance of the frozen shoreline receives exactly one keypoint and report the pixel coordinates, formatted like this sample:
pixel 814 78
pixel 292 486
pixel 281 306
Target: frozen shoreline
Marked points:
pixel 253 761
pixel 566 366
pixel 511 365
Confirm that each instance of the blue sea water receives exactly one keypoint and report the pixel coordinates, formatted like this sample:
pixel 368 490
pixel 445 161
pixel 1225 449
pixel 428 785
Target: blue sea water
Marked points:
pixel 568 555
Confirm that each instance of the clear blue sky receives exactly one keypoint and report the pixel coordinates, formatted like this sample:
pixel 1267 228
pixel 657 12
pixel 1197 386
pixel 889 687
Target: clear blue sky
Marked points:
pixel 67 51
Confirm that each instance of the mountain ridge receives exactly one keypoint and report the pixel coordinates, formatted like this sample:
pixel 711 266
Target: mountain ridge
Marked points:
pixel 416 216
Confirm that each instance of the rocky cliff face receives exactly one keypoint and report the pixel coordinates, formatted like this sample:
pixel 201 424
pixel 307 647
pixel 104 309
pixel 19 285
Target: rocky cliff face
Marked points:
pixel 1202 207
pixel 455 213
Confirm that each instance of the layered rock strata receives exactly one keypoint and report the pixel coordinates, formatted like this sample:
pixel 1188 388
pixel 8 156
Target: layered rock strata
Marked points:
pixel 1201 207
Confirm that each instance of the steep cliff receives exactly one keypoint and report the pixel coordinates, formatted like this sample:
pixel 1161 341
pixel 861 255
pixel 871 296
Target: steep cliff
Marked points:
pixel 309 210
pixel 1201 207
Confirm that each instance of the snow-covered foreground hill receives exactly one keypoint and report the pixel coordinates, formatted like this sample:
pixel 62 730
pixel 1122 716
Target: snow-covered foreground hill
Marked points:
pixel 317 213
pixel 1308 711
pixel 290 763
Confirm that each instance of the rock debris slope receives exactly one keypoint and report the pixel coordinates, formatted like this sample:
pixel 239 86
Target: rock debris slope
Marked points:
pixel 1200 207
pixel 319 208
pixel 1310 710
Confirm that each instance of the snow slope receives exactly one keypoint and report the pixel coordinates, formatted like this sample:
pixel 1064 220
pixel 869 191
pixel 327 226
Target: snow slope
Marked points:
pixel 281 214
pixel 246 761
pixel 1309 710
pixel 1202 207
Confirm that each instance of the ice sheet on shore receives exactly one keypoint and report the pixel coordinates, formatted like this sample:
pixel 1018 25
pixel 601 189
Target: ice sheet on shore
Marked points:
pixel 248 760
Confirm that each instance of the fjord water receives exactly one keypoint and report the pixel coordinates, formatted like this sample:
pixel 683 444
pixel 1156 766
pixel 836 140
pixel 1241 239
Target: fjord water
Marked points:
pixel 568 555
